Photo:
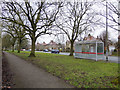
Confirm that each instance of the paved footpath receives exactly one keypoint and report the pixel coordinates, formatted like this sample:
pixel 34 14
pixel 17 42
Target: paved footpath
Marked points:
pixel 28 75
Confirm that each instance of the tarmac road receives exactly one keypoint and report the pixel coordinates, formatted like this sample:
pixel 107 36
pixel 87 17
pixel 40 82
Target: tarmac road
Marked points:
pixel 27 75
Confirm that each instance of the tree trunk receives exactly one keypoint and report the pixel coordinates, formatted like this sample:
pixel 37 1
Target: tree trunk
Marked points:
pixel 19 45
pixel 71 49
pixel 12 48
pixel 32 54
pixel 119 45
pixel 13 44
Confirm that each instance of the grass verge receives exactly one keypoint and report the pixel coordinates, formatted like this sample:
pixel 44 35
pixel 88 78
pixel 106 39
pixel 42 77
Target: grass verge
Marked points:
pixel 115 54
pixel 81 73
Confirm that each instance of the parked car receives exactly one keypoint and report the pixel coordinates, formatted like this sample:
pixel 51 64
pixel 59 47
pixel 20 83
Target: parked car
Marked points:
pixel 28 50
pixel 55 51
pixel 22 49
pixel 45 50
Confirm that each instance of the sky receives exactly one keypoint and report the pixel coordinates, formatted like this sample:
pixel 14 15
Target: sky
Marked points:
pixel 98 30
pixel 113 33
pixel 62 38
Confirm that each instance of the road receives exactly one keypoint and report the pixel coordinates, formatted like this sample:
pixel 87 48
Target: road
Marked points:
pixel 114 59
pixel 27 75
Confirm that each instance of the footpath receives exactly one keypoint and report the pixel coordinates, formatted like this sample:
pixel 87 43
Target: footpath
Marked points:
pixel 27 75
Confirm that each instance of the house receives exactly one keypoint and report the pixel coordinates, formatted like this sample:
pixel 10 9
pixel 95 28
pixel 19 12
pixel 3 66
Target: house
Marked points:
pixel 51 45
pixel 111 46
pixel 68 46
pixel 40 47
pixel 91 38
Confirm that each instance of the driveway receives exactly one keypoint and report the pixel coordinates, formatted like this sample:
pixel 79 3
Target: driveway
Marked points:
pixel 27 75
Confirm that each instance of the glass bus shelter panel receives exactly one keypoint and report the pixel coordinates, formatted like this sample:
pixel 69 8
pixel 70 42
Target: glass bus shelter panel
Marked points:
pixel 92 48
pixel 100 51
pixel 88 50
pixel 100 48
pixel 78 49
pixel 100 57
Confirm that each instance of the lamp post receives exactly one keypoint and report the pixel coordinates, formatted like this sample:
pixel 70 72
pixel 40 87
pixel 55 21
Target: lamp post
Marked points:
pixel 0 34
pixel 119 30
pixel 106 41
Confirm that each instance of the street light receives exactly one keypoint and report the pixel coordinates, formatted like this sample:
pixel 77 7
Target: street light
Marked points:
pixel 106 41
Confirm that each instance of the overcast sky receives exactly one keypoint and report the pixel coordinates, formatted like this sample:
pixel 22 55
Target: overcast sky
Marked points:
pixel 62 38
pixel 98 30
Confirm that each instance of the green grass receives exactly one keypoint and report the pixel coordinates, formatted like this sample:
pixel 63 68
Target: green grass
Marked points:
pixel 115 54
pixel 80 73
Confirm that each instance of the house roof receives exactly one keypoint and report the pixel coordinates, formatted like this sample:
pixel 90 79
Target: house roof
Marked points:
pixel 91 38
pixel 52 42
pixel 44 43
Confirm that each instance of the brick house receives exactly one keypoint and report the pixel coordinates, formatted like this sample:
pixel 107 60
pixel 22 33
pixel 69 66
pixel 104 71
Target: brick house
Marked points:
pixel 51 45
pixel 90 38
pixel 68 44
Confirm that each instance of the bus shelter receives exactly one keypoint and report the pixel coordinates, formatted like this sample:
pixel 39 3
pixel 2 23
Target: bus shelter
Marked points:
pixel 89 49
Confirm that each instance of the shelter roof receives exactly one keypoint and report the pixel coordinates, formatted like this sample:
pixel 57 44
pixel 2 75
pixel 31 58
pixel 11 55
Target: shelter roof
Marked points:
pixel 89 41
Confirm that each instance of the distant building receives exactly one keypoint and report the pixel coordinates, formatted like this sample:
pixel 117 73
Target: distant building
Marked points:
pixel 68 44
pixel 111 46
pixel 40 46
pixel 51 45
pixel 90 38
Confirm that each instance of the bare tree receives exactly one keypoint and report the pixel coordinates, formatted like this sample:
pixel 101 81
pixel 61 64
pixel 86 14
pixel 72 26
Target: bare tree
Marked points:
pixel 116 12
pixel 16 32
pixel 36 18
pixel 115 9
pixel 6 42
pixel 76 18
pixel 7 28
pixel 102 37
pixel 113 15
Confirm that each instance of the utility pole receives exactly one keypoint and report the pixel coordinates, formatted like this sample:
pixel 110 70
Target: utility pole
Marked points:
pixel 119 32
pixel 0 41
pixel 106 41
pixel 0 48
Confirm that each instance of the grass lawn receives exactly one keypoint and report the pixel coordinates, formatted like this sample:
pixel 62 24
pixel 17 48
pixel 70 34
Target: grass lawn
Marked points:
pixel 115 54
pixel 80 73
